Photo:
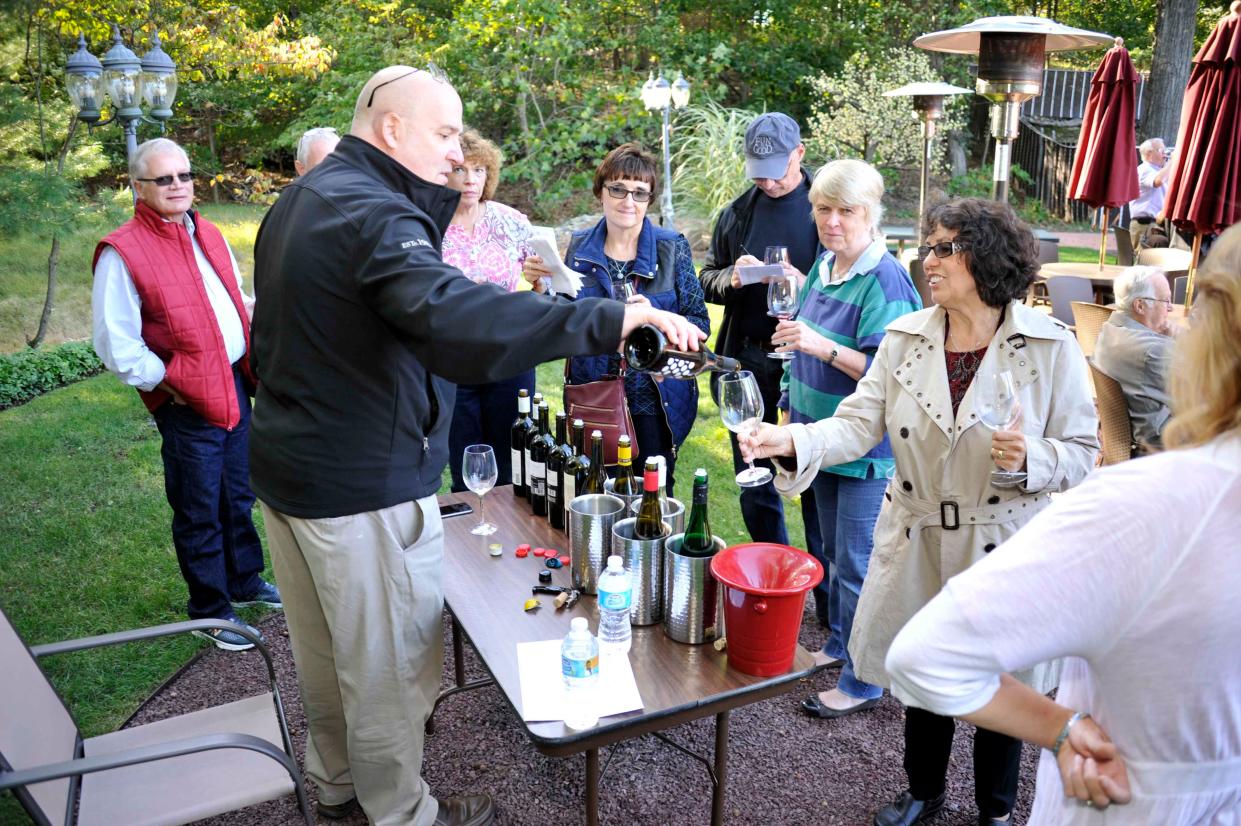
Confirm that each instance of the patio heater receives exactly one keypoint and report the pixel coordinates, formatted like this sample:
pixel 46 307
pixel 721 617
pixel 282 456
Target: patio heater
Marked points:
pixel 1011 52
pixel 929 106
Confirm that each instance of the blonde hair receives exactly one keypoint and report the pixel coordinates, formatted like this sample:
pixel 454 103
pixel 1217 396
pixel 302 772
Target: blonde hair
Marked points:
pixel 852 183
pixel 1206 366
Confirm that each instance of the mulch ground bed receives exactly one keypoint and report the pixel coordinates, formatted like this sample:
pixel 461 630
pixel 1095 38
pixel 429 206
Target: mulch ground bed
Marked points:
pixel 784 767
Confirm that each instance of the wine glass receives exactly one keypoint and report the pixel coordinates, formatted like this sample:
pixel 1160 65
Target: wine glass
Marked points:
pixel 998 405
pixel 478 468
pixel 776 255
pixel 741 410
pixel 782 302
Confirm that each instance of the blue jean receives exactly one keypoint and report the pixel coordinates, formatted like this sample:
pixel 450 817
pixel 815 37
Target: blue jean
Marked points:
pixel 207 482
pixel 848 508
pixel 484 415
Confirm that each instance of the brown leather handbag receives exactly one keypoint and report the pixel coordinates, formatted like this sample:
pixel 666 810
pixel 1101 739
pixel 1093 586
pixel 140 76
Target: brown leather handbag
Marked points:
pixel 601 405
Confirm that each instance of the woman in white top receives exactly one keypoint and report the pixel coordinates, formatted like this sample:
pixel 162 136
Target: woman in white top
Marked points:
pixel 1135 577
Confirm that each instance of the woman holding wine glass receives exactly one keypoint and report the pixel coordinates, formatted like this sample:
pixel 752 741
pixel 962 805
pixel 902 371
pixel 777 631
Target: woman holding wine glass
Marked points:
pixel 628 258
pixel 853 291
pixel 941 512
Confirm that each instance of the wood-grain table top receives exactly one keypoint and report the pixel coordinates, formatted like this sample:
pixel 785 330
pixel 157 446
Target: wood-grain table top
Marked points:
pixel 677 682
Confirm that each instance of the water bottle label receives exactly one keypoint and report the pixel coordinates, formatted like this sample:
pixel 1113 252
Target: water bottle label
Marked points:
pixel 579 668
pixel 616 600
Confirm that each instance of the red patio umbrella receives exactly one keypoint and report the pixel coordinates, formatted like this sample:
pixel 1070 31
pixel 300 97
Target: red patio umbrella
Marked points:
pixel 1105 169
pixel 1204 191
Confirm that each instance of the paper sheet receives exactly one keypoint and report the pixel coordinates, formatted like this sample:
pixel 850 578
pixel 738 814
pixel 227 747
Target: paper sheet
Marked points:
pixel 564 280
pixel 543 689
pixel 758 273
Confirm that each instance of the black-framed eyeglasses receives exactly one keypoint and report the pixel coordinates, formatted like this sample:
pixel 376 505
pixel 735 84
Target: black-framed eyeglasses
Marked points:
pixel 640 196
pixel 166 180
pixel 942 250
pixel 434 71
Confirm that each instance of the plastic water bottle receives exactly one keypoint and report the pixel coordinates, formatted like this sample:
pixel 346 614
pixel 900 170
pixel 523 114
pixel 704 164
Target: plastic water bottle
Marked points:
pixel 615 595
pixel 579 662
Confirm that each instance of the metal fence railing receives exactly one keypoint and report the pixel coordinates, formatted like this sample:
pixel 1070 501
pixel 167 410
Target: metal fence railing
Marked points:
pixel 1064 96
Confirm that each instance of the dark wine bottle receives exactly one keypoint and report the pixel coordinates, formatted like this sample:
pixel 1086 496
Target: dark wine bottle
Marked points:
pixel 625 484
pixel 597 475
pixel 540 447
pixel 556 461
pixel 535 401
pixel 517 442
pixel 577 466
pixel 650 524
pixel 648 351
pixel 698 539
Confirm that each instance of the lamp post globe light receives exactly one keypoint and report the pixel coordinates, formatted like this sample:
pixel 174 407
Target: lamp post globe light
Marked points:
pixel 658 94
pixel 127 80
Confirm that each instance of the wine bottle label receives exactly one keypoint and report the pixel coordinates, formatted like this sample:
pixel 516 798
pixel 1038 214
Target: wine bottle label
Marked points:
pixel 570 485
pixel 515 457
pixel 529 471
pixel 538 478
pixel 553 491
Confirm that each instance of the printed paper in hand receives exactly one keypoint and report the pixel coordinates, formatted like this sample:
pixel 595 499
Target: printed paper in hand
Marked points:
pixel 564 280
pixel 758 273
pixel 543 690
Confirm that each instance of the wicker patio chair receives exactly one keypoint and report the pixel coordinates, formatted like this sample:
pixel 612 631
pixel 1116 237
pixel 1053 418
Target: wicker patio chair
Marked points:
pixel 1113 418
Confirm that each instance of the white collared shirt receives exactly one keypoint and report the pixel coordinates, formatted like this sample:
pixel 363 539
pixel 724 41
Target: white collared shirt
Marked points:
pixel 1150 198
pixel 867 261
pixel 117 313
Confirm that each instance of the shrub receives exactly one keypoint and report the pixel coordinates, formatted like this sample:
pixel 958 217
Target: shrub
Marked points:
pixel 29 373
pixel 709 158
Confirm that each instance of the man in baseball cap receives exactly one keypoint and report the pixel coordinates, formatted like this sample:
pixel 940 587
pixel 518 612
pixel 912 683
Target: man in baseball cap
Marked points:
pixel 775 211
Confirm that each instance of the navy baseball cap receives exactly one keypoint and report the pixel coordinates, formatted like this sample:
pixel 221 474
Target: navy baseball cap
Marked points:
pixel 769 141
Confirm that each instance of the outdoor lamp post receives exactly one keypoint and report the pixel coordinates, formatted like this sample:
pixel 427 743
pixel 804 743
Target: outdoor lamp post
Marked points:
pixel 658 94
pixel 929 106
pixel 1011 53
pixel 127 81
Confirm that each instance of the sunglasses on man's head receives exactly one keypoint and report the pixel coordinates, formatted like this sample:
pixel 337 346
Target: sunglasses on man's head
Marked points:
pixel 166 180
pixel 640 196
pixel 942 250
pixel 434 71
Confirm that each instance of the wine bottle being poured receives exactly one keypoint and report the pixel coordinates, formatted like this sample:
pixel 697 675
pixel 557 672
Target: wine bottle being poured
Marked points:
pixel 647 350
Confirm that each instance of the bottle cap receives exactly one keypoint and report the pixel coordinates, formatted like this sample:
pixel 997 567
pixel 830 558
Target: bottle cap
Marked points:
pixel 545 576
pixel 702 471
pixel 595 433
pixel 579 624
pixel 577 422
pixel 615 563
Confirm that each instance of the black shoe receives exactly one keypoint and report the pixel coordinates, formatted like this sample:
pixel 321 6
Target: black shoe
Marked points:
pixel 337 811
pixel 227 640
pixel 815 708
pixel 266 594
pixel 466 810
pixel 906 810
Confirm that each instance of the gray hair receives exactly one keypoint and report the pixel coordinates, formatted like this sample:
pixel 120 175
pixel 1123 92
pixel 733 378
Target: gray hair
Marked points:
pixel 1135 283
pixel 850 182
pixel 309 137
pixel 155 146
pixel 1149 145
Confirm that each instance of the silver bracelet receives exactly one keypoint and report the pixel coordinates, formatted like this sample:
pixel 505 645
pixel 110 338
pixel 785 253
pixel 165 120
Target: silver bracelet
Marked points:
pixel 1064 732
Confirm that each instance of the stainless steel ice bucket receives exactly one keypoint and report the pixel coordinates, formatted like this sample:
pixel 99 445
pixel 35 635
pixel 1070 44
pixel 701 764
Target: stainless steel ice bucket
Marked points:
pixel 674 514
pixel 591 518
pixel 644 560
pixel 693 600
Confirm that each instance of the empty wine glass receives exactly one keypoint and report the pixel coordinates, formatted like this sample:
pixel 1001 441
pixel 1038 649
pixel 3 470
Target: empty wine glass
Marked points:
pixel 776 255
pixel 741 410
pixel 997 402
pixel 782 302
pixel 478 468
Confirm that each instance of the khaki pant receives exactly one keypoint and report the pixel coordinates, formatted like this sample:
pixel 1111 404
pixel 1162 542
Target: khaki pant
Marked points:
pixel 363 601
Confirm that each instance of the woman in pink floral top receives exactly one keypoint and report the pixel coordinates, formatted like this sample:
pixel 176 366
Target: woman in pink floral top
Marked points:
pixel 487 241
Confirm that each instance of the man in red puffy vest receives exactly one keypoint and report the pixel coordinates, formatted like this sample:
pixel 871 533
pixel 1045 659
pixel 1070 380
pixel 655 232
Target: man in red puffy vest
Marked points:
pixel 170 320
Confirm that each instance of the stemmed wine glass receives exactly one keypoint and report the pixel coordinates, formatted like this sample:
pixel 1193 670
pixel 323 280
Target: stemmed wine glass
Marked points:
pixel 776 255
pixel 741 410
pixel 998 404
pixel 783 299
pixel 478 468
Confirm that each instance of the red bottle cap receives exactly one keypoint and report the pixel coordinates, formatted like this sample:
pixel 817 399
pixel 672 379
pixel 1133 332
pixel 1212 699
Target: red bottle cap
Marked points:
pixel 522 551
pixel 564 559
pixel 525 546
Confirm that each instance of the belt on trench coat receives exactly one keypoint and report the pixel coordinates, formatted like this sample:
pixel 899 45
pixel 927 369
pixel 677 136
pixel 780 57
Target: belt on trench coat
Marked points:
pixel 950 516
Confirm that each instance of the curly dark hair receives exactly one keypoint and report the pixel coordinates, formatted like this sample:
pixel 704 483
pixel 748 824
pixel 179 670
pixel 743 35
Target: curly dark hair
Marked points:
pixel 629 161
pixel 1003 252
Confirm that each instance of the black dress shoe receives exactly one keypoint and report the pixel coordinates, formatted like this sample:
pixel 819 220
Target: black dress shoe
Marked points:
pixel 907 810
pixel 466 810
pixel 815 708
pixel 337 811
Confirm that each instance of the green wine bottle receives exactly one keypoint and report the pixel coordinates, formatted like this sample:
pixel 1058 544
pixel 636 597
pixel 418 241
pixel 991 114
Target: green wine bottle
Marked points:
pixel 625 484
pixel 598 475
pixel 698 540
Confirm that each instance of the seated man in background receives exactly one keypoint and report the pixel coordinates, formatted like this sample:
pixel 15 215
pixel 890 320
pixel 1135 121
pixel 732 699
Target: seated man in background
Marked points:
pixel 315 145
pixel 1135 348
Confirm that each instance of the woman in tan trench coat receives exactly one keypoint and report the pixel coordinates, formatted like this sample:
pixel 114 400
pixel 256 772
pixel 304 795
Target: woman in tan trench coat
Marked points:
pixel 943 511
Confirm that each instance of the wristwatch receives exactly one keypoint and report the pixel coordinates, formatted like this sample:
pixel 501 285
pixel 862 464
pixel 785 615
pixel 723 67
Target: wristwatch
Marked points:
pixel 832 356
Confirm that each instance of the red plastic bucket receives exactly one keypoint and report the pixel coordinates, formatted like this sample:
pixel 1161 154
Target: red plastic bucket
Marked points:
pixel 765 589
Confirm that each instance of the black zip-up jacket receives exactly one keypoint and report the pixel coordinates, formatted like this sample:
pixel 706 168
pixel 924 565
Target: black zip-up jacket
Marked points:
pixel 360 330
pixel 716 274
